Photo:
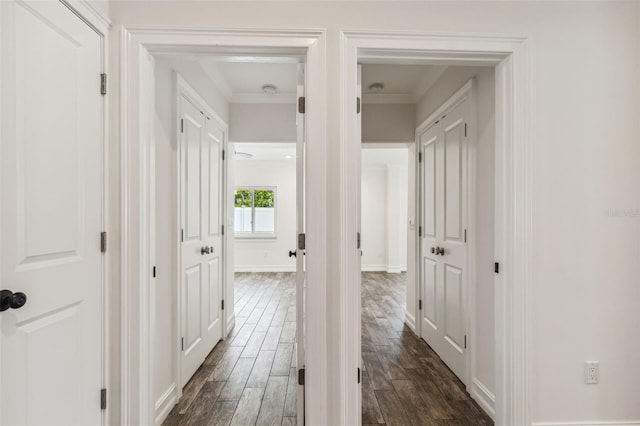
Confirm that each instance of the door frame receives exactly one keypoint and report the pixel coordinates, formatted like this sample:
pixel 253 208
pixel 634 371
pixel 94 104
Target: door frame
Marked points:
pixel 466 93
pixel 513 200
pixel 137 161
pixel 184 89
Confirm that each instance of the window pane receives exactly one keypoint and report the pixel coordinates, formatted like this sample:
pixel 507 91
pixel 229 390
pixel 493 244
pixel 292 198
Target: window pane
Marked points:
pixel 265 220
pixel 242 219
pixel 264 198
pixel 243 198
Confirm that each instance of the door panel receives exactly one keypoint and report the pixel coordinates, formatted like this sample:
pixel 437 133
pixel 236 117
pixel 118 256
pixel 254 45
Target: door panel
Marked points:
pixel 201 163
pixel 443 249
pixel 51 111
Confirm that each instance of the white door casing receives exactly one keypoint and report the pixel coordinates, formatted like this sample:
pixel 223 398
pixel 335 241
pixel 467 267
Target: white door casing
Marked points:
pixel 300 252
pixel 443 148
pixel 52 211
pixel 201 145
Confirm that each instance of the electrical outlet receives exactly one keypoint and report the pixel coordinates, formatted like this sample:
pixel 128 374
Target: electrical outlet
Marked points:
pixel 591 372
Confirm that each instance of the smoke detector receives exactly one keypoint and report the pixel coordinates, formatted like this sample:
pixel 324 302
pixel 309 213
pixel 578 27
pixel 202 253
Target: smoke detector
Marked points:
pixel 269 89
pixel 376 87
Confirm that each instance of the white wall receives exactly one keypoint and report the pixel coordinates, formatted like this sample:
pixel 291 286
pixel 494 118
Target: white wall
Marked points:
pixel 585 69
pixel 164 339
pixel 443 88
pixel 388 122
pixel 384 209
pixel 262 123
pixel 269 254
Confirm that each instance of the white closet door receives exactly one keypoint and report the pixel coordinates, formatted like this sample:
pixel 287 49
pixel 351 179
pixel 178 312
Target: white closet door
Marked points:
pixel 51 347
pixel 444 212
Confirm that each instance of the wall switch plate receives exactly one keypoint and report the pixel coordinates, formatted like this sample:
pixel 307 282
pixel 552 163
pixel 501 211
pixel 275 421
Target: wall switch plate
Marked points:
pixel 591 372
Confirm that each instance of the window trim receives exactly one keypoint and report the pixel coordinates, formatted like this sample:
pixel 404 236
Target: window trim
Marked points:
pixel 253 235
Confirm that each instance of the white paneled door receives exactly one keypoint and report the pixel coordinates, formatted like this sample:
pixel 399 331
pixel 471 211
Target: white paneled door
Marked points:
pixel 201 288
pixel 51 191
pixel 443 148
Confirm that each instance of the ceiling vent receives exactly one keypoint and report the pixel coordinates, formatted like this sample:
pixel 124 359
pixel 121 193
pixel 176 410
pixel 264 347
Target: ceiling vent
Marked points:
pixel 269 89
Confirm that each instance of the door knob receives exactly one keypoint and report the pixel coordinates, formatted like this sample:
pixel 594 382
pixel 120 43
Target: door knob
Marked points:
pixel 9 299
pixel 433 250
pixel 292 254
pixel 205 250
pixel 440 251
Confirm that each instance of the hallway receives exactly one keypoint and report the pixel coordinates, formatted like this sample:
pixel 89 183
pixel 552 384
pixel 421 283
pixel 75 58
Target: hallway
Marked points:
pixel 250 377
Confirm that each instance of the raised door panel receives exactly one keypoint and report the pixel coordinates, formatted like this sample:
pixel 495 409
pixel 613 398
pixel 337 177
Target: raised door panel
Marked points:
pixel 429 179
pixel 214 290
pixel 214 139
pixel 453 308
pixel 192 283
pixel 430 293
pixel 452 136
pixel 193 170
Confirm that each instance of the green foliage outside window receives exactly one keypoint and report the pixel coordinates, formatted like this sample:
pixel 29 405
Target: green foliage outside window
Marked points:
pixel 243 198
pixel 263 198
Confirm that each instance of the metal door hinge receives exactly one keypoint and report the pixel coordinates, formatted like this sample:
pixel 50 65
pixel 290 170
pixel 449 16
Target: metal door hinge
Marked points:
pixel 420 231
pixel 223 155
pixel 182 125
pixel 358 374
pixel 302 243
pixel 154 272
pixel 301 377
pixel 419 157
pixel 182 343
pixel 103 84
pixel 103 399
pixel 358 105
pixel 465 341
pixel 496 268
pixel 302 101
pixel 103 242
pixel 465 130
pixel 358 239
pixel 465 235
pixel 182 235
pixel 419 305
pixel 222 229
pixel 223 305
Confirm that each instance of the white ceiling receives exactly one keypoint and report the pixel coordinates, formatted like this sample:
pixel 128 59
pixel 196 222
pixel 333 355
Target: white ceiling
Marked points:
pixel 240 79
pixel 266 151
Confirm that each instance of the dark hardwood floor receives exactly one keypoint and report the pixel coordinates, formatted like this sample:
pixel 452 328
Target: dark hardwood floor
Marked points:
pixel 250 377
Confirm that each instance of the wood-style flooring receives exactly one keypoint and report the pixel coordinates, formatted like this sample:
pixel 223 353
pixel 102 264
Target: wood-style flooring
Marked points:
pixel 250 377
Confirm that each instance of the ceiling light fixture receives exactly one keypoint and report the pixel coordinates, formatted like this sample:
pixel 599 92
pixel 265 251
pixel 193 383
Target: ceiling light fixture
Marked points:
pixel 243 154
pixel 376 87
pixel 269 89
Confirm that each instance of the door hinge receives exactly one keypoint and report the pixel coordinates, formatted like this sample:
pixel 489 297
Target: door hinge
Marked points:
pixel 358 239
pixel 302 241
pixel 103 242
pixel 223 155
pixel 358 374
pixel 496 268
pixel 302 101
pixel 103 84
pixel 465 235
pixel 182 125
pixel 465 130
pixel 154 272
pixel 222 229
pixel 420 231
pixel 420 304
pixel 182 235
pixel 358 105
pixel 465 341
pixel 103 399
pixel 223 305
pixel 419 157
pixel 182 343
pixel 301 377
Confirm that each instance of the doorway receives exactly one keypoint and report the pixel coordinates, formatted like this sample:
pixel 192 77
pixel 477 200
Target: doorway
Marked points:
pixel 511 235
pixel 139 65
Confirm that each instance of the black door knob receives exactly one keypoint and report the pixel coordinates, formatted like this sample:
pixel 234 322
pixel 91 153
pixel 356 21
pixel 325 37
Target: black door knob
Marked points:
pixel 9 299
pixel 292 254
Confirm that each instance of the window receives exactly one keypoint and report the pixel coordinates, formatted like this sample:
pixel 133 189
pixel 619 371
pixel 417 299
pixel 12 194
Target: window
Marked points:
pixel 255 212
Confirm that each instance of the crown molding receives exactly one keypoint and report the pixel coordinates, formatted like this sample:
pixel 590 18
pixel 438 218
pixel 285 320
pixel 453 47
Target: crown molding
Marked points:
pixel 388 98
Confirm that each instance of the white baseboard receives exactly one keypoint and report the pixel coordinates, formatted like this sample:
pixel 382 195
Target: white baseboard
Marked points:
pixel 231 321
pixel 164 405
pixel 374 268
pixel 410 320
pixel 394 269
pixel 589 423
pixel 484 398
pixel 265 268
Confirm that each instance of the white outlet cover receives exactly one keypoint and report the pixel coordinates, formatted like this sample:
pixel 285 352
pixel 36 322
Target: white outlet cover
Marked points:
pixel 591 372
